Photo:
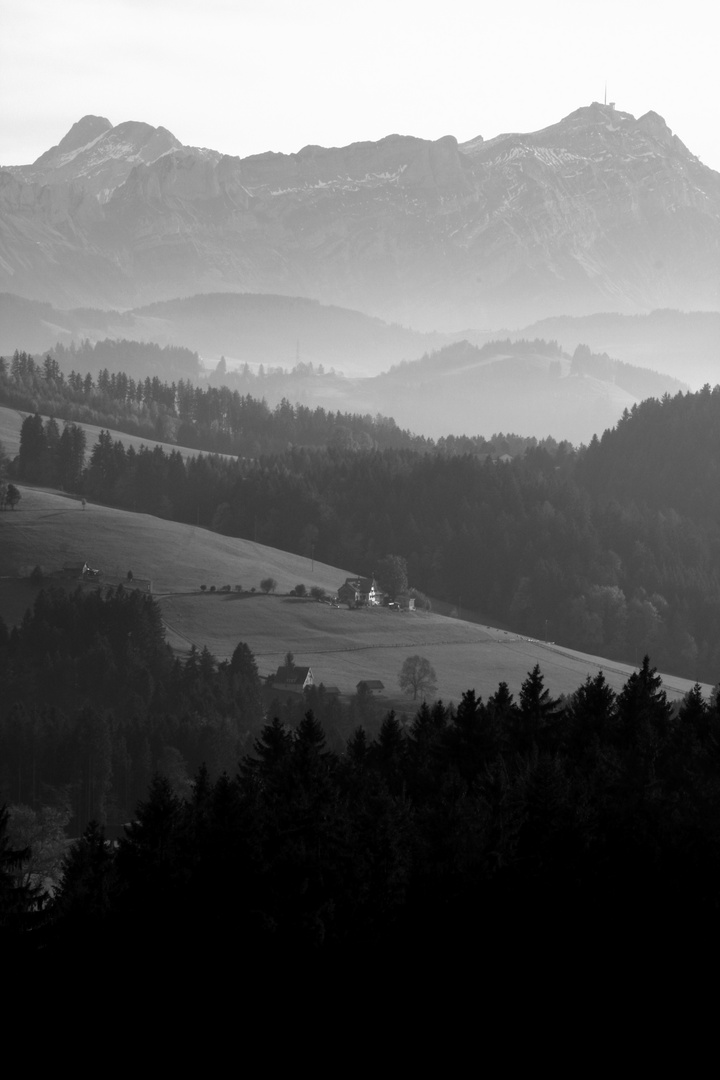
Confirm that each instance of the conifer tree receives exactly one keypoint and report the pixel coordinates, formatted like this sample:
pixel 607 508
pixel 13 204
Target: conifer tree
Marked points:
pixel 17 901
pixel 472 736
pixel 88 878
pixel 643 708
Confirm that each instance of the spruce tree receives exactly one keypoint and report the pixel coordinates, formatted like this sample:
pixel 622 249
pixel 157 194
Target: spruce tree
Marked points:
pixel 18 901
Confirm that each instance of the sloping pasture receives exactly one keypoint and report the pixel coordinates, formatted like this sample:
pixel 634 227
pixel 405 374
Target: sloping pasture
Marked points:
pixel 342 647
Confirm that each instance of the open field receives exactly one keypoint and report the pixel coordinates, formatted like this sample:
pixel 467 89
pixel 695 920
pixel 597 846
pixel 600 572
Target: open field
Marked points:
pixel 341 646
pixel 49 529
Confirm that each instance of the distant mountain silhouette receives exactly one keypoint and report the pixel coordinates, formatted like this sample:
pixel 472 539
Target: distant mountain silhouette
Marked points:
pixel 599 212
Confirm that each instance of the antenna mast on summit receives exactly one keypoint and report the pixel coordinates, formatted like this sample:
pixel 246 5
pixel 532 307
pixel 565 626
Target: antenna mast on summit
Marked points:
pixel 606 91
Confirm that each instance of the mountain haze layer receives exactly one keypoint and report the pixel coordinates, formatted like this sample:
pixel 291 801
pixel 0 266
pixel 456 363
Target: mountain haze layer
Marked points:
pixel 598 212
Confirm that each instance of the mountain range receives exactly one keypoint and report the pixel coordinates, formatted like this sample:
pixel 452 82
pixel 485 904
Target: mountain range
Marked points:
pixel 599 212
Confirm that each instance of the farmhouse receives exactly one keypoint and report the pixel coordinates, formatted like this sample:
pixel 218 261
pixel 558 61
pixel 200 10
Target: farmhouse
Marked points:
pixel 370 686
pixel 80 570
pixel 292 679
pixel 360 591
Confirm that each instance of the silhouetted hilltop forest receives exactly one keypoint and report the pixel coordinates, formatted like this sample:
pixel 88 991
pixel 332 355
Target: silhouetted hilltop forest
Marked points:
pixel 135 358
pixel 215 419
pixel 662 454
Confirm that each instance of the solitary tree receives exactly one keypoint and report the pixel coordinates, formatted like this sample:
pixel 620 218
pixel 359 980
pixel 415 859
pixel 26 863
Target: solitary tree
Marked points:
pixel 12 496
pixel 417 677
pixel 391 572
pixel 268 585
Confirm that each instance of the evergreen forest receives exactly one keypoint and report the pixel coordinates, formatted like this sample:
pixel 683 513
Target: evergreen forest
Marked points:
pixel 470 831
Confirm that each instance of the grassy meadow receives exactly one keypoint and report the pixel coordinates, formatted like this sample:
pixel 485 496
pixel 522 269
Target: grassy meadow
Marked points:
pixel 342 647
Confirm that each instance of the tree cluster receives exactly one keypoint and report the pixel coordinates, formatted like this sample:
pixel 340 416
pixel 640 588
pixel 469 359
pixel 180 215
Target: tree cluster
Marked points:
pixel 50 456
pixel 215 419
pixel 94 703
pixel 467 833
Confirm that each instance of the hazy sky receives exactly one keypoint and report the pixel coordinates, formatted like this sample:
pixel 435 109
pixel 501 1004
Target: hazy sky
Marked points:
pixel 243 77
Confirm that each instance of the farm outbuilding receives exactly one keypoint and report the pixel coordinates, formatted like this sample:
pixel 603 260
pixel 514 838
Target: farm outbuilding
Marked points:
pixel 371 686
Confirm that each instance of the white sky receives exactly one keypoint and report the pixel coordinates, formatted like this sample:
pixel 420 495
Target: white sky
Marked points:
pixel 243 77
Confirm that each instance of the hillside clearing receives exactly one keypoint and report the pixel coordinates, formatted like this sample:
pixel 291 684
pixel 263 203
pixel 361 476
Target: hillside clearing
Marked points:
pixel 342 646
pixel 49 529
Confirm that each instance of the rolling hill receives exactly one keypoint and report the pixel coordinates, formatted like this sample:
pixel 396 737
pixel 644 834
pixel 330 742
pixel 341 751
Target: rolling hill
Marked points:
pixel 684 343
pixel 248 328
pixel 342 647
pixel 529 388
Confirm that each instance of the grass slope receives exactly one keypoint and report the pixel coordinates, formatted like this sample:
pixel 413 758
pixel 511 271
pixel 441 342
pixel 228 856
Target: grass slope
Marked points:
pixel 341 646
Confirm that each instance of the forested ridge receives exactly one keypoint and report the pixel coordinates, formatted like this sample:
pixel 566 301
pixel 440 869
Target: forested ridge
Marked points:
pixel 639 381
pixel 466 832
pixel 214 419
pixel 612 549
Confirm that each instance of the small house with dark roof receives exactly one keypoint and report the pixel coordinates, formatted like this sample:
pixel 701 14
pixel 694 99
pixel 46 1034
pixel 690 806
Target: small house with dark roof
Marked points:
pixel 293 679
pixel 360 590
pixel 74 568
pixel 370 686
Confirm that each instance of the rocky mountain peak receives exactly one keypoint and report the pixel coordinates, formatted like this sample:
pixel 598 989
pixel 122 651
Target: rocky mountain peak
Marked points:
pixel 597 121
pixel 600 211
pixel 653 124
pixel 439 166
pixel 84 131
pixel 98 157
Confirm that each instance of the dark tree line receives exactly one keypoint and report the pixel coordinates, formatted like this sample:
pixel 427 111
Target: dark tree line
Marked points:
pixel 212 419
pixel 469 834
pixel 94 703
pixel 662 454
pixel 51 456
pixel 130 356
